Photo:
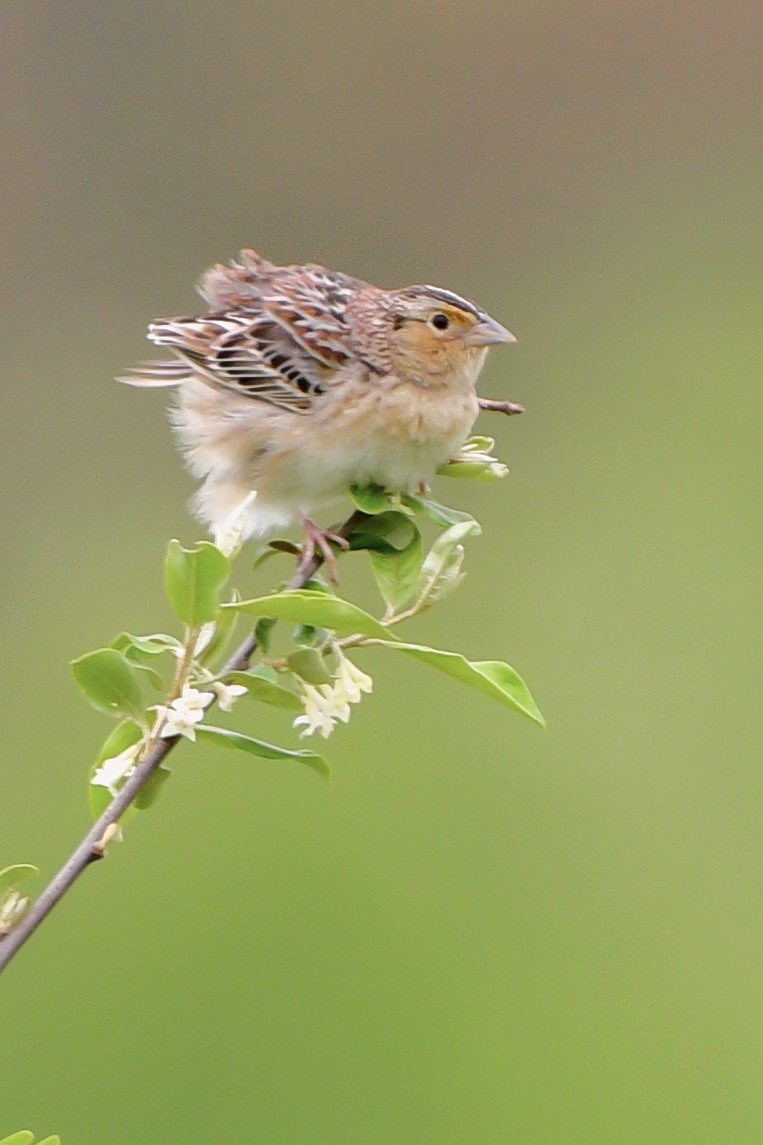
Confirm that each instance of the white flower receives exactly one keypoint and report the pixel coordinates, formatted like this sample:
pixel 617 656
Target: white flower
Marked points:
pixel 182 715
pixel 178 723
pixel 227 693
pixel 192 700
pixel 323 708
pixel 351 681
pixel 109 773
pixel 12 910
pixel 327 704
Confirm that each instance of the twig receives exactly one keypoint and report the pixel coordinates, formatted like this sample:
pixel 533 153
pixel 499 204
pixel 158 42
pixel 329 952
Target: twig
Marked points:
pixel 500 407
pixel 93 846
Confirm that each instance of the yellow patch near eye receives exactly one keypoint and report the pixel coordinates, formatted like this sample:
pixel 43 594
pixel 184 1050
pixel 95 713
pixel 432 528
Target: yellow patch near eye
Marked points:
pixel 453 319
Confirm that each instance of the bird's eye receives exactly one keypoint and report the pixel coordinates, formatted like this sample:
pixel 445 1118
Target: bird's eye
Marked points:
pixel 440 321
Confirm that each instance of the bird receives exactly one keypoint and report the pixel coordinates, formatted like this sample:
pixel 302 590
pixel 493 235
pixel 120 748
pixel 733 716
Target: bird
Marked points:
pixel 298 382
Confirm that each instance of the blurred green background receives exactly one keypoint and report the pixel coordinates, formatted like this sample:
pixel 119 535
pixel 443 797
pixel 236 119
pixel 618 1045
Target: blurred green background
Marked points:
pixel 482 933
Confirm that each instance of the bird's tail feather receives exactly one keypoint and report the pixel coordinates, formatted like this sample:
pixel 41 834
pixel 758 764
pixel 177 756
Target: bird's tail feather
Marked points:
pixel 169 373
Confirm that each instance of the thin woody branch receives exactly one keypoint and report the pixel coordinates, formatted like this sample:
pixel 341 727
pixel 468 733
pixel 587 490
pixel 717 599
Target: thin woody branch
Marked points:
pixel 94 844
pixel 500 407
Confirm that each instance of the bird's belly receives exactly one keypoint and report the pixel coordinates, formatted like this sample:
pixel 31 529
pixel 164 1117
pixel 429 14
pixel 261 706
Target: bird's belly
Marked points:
pixel 395 438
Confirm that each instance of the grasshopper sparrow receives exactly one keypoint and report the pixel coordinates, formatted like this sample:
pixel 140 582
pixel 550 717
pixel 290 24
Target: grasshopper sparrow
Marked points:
pixel 300 381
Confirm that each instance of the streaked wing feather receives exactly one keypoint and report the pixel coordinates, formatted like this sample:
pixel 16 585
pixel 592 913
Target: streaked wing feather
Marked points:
pixel 169 373
pixel 245 352
pixel 310 308
pixel 282 338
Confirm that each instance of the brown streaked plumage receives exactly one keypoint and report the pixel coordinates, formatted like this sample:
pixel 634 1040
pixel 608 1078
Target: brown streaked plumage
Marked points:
pixel 300 381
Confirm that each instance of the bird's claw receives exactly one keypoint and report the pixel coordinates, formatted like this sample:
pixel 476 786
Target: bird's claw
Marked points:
pixel 319 540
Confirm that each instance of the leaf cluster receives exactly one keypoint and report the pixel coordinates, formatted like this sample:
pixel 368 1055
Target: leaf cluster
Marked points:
pixel 159 684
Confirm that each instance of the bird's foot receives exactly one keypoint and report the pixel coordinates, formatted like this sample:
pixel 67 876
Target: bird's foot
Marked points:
pixel 319 540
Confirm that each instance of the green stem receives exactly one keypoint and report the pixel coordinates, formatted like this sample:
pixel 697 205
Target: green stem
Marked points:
pixel 186 663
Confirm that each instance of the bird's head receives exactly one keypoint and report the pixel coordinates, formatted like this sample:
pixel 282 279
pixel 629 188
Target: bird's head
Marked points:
pixel 435 335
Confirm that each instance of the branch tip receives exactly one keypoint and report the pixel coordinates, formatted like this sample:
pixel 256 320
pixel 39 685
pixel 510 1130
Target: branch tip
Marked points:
pixel 508 408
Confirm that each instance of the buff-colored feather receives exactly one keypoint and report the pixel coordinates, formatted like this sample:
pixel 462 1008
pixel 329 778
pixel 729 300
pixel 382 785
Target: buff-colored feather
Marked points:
pixel 300 381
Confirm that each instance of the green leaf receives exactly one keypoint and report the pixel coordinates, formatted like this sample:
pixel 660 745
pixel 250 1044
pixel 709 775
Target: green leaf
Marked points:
pixel 195 579
pixel 260 687
pixel 262 630
pixel 369 498
pixel 388 532
pixel 221 633
pixel 317 584
pixel 150 792
pixel 141 651
pixel 479 443
pixel 441 571
pixel 239 742
pixel 308 636
pixel 24 1137
pixel 442 515
pixel 12 877
pixel 474 460
pixel 495 679
pixel 147 670
pixel 152 645
pixel 397 572
pixel 98 799
pixel 265 671
pixel 124 735
pixel 109 682
pixel 309 665
pixel 393 541
pixel 474 469
pixel 319 608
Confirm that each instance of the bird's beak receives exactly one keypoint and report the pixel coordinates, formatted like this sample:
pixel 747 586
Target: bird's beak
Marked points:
pixel 488 332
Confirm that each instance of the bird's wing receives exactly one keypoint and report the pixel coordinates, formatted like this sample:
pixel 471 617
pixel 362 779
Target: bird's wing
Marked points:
pixel 276 354
pixel 310 308
pixel 285 347
pixel 240 284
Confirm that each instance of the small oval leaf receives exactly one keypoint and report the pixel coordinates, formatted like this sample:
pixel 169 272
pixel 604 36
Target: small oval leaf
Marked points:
pixel 474 469
pixel 237 741
pixel 195 579
pixel 309 665
pixel 319 608
pixel 442 515
pixel 12 877
pixel 150 792
pixel 124 735
pixel 390 532
pixel 109 682
pixel 370 499
pixel 492 677
pixel 152 645
pixel 397 572
pixel 267 691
